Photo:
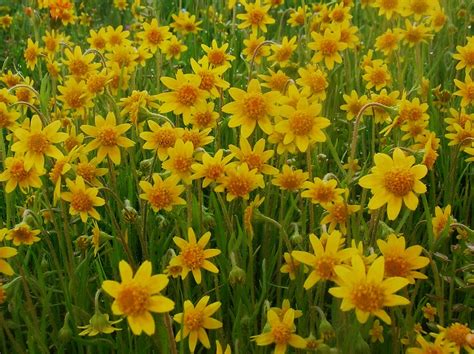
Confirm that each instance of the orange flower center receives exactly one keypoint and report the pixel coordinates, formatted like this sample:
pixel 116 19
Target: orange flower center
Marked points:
pixel 81 202
pixel 192 136
pixel 207 80
pixel 399 181
pixel 281 333
pixel 18 172
pixel 324 194
pixel 328 47
pixel 469 92
pixel 174 49
pixel 378 76
pixel 396 266
pixel 367 297
pixel 193 256
pixel 254 105
pixel 388 4
pixel 165 138
pixel 182 164
pixel 216 57
pixel 187 95
pixel 74 98
pixel 214 171
pixel 339 212
pixel 107 136
pixel 414 35
pixel 253 160
pixel 388 41
pixel 133 300
pixel 193 319
pixel 31 54
pixel 78 67
pixel 22 234
pixel 324 266
pixel 468 57
pixel 56 172
pixel 301 123
pixel 154 36
pixel 457 333
pixel 38 143
pixel 238 186
pixel 160 197
pixel 98 43
pixel 419 7
pixel 354 107
pixel 256 16
pixel 338 15
pixel 278 82
pixel 290 181
pixel 115 39
pixel 86 171
pixel 4 119
pixel 317 82
pixel 203 119
pixel 283 54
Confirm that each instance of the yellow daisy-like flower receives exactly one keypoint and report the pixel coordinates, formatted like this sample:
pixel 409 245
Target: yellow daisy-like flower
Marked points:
pixel 254 50
pixel 138 295
pixel 22 234
pixel 353 104
pixel 327 47
pixel 7 118
pixel 276 81
pixel 400 261
pixel 322 191
pixel 161 138
pixel 75 95
pixel 218 56
pixel 162 194
pixel 376 332
pixel 281 332
pixel 367 291
pixel 338 214
pixel 255 157
pixel 439 346
pixel 256 16
pixel 290 179
pixel 173 48
pixel 31 54
pixel 180 160
pixel 16 174
pixel 324 257
pixel 441 220
pixel 465 56
pixel 38 142
pixel 282 52
pixel 313 82
pixel 251 107
pixel 154 36
pixel 466 91
pixel 78 64
pixel 457 333
pixel 99 323
pixel 290 267
pixel 388 41
pixel 195 320
pixel 302 125
pixel 415 33
pixel 107 137
pixel 211 77
pixel 239 182
pixel 212 168
pixel 377 75
pixel 82 199
pixel 388 8
pixel 220 350
pixel 6 252
pixel 185 94
pixel 193 255
pixel 203 116
pixel 394 181
pixel 97 40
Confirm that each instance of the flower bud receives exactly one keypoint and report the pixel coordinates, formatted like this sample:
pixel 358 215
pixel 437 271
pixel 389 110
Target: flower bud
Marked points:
pixel 236 276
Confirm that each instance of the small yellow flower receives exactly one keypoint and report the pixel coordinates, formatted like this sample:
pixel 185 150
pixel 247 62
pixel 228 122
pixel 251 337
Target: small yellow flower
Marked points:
pixel 327 47
pixel 162 194
pixel 137 296
pixel 239 182
pixel 466 91
pixel 441 220
pixel 193 256
pixel 6 252
pixel 22 234
pixel 99 323
pixel 31 54
pixel 195 320
pixel 82 199
pixel 154 36
pixel 322 191
pixel 180 160
pixel 256 16
pixel 429 312
pixel 212 168
pixel 376 332
pixel 440 345
pixel 290 179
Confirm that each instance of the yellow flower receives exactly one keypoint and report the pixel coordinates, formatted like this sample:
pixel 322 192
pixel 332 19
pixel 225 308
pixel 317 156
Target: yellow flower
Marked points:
pixel 290 179
pixel 78 64
pixel 466 91
pixel 7 118
pixel 353 104
pixel 195 320
pixel 239 182
pixel 251 108
pixel 185 94
pixel 138 295
pixel 322 191
pixel 116 37
pixel 388 41
pixel 203 116
pixel 173 48
pixel 180 160
pixel 162 194
pixel 217 56
pixel 387 99
pixel 377 75
pixel 285 306
pixel 107 137
pixel 414 34
pixel 281 332
pixel 313 82
pixel 256 16
pixel 161 138
pixel 22 234
pixel 302 125
pixel 185 23
pixel 298 16
pixel 89 170
pixel 393 181
pixel 31 54
pixel 212 168
pixel 457 333
pixel 290 267
pixel 193 256
pixel 441 220
pixel 338 214
pixel 376 332
pixel 440 345
pixel 388 8
pixel 132 104
pixel 254 50
pixel 154 36
pixel 400 261
pixel 97 40
pixel 418 8
pixel 6 252
pixel 211 77
pixel 429 312
pixel 219 349
pixel 256 157
pixel 324 257
pixel 38 142
pixel 465 56
pixel 82 199
pixel 16 174
pixel 75 95
pixel 367 291
pixel 327 47
pixel 282 52
pixel 276 81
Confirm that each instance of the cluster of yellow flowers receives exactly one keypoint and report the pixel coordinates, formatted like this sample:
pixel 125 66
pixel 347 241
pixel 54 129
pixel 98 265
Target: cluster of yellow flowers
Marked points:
pixel 68 139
